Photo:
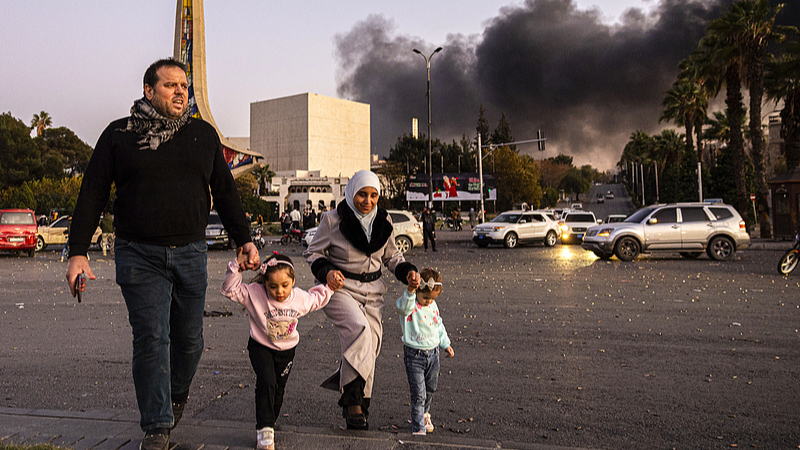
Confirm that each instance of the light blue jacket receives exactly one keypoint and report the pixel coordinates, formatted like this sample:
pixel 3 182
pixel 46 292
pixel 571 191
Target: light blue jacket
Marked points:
pixel 422 325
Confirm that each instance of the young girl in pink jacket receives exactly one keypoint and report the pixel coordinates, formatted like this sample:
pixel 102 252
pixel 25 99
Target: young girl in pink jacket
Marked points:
pixel 274 306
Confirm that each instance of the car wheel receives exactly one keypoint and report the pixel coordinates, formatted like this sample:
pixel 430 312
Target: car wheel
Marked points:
pixel 691 255
pixel 788 262
pixel 510 241
pixel 482 244
pixel 40 245
pixel 551 239
pixel 720 249
pixel 627 249
pixel 403 243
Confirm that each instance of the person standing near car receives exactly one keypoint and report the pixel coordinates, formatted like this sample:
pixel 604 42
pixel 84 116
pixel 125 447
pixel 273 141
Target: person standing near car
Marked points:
pixel 295 215
pixel 473 218
pixel 166 166
pixel 428 229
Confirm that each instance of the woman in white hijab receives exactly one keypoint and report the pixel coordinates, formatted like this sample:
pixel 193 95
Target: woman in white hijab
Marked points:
pixel 351 244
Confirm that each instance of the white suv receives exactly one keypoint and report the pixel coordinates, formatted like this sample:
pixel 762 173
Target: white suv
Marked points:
pixel 513 227
pixel 574 225
pixel 407 231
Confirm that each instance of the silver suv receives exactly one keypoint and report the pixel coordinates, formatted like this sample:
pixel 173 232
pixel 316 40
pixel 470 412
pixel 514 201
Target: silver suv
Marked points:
pixel 513 227
pixel 687 228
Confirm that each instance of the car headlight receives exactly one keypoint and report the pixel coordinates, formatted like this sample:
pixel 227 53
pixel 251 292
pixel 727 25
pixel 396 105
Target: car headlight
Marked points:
pixel 498 228
pixel 564 227
pixel 605 232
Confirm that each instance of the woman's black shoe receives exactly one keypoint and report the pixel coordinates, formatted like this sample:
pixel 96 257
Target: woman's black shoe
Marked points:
pixel 355 421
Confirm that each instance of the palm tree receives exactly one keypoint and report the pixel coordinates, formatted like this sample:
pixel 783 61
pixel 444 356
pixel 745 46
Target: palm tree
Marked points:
pixel 40 122
pixel 754 28
pixel 262 174
pixel 723 56
pixel 683 103
pixel 782 83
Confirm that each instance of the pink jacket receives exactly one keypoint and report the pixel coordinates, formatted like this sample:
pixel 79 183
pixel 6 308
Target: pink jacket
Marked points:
pixel 273 323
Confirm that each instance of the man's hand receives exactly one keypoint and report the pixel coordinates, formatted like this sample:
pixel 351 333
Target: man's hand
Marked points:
pixel 251 251
pixel 413 280
pixel 335 280
pixel 450 352
pixel 78 265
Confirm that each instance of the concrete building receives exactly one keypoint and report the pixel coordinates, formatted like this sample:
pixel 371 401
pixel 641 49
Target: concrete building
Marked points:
pixel 314 143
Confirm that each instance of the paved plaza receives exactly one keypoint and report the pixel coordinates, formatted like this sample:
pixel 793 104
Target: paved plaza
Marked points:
pixel 554 349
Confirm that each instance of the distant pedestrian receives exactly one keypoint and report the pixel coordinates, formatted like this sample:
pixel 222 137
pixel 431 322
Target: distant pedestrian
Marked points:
pixel 423 335
pixel 295 215
pixel 473 218
pixel 428 229
pixel 273 305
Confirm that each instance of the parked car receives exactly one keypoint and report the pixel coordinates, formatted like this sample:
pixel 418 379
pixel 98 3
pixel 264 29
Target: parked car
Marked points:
pixel 216 235
pixel 576 206
pixel 600 198
pixel 513 227
pixel 18 230
pixel 56 234
pixel 610 195
pixel 574 225
pixel 614 218
pixel 407 231
pixel 687 228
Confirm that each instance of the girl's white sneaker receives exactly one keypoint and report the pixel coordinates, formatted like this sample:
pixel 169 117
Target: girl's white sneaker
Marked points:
pixel 428 424
pixel 266 439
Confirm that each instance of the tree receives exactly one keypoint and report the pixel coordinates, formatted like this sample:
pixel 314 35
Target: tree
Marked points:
pixel 262 174
pixel 64 146
pixel 393 183
pixel 502 134
pixel 40 122
pixel 517 179
pixel 483 126
pixel 246 185
pixel 20 156
pixel 683 103
pixel 782 83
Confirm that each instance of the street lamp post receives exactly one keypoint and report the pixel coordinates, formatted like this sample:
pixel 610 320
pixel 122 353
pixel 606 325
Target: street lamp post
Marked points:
pixel 430 153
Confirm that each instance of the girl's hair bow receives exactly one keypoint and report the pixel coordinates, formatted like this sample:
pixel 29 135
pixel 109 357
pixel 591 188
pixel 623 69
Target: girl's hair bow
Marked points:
pixel 430 284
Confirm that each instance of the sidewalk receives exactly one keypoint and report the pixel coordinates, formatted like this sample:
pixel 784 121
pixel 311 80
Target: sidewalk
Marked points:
pixel 102 430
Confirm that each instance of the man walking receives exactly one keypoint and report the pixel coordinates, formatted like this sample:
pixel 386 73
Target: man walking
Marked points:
pixel 428 229
pixel 166 166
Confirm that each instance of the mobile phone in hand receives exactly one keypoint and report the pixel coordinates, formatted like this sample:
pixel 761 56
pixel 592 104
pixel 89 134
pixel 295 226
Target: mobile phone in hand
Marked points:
pixel 78 283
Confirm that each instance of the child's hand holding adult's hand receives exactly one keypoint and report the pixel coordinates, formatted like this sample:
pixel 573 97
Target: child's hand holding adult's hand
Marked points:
pixel 450 352
pixel 413 280
pixel 335 280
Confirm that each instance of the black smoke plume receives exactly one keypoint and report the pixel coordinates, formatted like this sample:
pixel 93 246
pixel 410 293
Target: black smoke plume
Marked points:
pixel 545 64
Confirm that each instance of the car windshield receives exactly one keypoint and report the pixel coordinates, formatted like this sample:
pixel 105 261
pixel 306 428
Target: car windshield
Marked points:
pixel 507 218
pixel 17 218
pixel 213 219
pixel 579 218
pixel 640 215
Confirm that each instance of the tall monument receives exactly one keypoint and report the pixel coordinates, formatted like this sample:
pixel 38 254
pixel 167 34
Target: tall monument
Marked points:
pixel 190 49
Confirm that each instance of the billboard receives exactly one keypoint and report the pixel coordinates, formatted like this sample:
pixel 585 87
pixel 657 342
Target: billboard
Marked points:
pixel 451 187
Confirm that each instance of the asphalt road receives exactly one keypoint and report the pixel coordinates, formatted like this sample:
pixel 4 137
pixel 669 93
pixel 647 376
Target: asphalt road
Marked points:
pixel 553 346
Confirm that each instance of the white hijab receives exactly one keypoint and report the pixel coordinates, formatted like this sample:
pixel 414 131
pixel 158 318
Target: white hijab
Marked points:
pixel 362 179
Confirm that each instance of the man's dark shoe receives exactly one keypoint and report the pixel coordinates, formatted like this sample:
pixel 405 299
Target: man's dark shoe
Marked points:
pixel 177 413
pixel 155 439
pixel 355 421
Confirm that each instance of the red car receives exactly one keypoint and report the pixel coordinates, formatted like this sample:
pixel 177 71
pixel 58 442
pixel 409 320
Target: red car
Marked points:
pixel 18 230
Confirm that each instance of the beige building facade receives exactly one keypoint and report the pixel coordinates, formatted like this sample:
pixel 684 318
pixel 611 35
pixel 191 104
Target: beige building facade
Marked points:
pixel 311 132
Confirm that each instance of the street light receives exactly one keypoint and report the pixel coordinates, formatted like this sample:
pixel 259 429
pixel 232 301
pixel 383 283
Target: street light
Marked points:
pixel 430 153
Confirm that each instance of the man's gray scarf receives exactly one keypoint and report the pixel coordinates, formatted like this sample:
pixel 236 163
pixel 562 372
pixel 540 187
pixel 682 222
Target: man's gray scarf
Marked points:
pixel 152 126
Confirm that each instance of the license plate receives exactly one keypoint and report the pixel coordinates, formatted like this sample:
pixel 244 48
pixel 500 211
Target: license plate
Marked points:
pixel 580 236
pixel 16 239
pixel 480 236
pixel 209 242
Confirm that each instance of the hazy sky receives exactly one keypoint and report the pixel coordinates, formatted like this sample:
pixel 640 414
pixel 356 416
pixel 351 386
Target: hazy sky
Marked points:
pixel 82 62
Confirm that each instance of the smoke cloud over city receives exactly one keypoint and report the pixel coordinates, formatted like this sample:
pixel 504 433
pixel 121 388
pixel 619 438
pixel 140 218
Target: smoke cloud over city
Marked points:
pixel 546 64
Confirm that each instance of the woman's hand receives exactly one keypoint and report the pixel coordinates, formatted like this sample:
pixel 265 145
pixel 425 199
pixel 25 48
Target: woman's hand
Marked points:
pixel 335 280
pixel 413 280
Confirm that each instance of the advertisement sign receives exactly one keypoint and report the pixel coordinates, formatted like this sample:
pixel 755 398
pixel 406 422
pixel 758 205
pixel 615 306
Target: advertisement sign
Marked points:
pixel 451 187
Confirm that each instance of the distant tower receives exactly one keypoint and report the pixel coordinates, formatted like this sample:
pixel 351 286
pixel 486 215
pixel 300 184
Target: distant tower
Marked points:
pixel 190 49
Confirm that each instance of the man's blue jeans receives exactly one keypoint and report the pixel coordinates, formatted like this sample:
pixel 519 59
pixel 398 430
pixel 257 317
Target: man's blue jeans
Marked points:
pixel 422 368
pixel 164 289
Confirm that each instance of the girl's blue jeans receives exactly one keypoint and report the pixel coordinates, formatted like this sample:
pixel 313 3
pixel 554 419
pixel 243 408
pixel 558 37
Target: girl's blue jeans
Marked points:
pixel 422 368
